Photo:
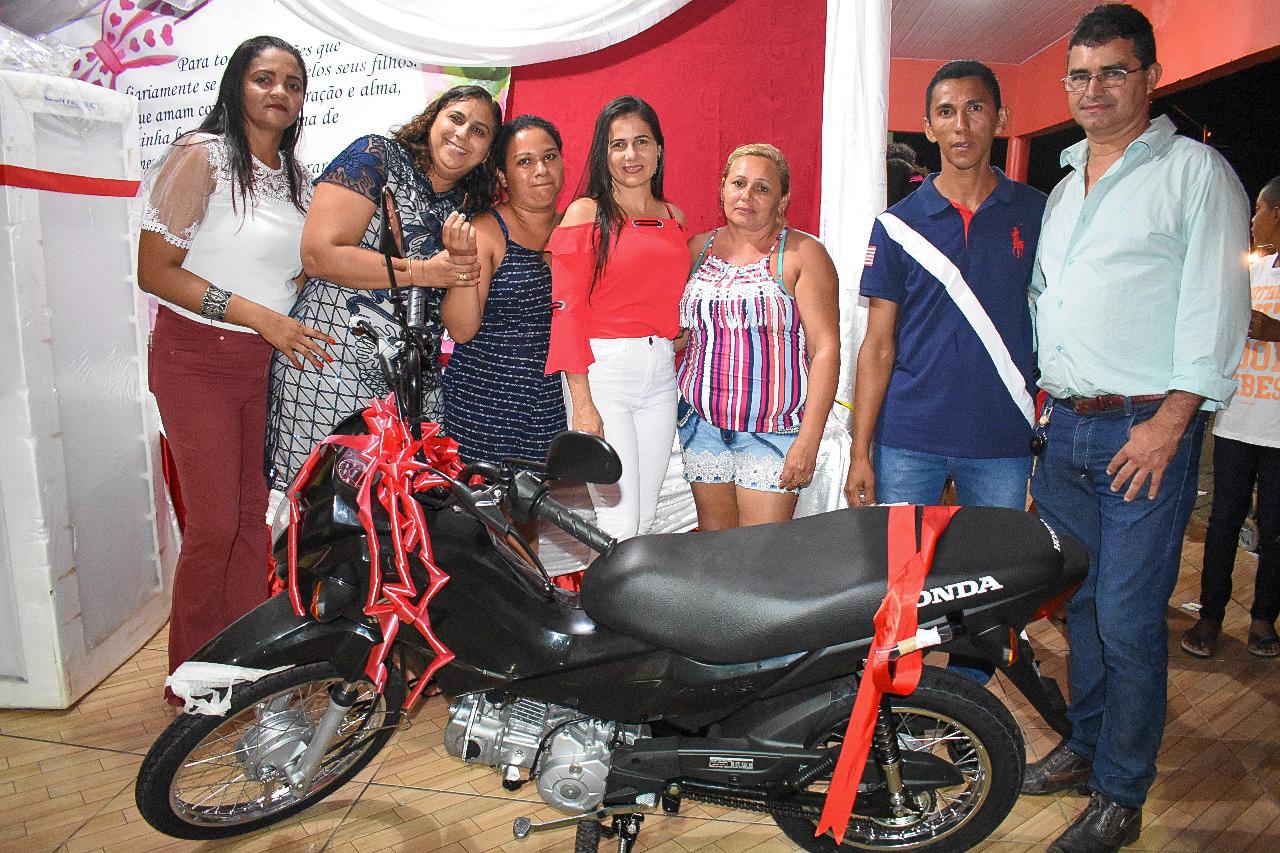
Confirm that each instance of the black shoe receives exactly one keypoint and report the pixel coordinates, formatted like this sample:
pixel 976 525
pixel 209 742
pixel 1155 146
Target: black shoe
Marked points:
pixel 1060 770
pixel 1201 639
pixel 1103 827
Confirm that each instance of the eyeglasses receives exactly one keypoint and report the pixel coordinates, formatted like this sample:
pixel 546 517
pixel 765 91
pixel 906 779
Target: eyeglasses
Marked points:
pixel 1108 78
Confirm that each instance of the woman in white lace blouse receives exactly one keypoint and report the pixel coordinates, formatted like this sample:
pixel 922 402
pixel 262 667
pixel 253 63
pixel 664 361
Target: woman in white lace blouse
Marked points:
pixel 219 248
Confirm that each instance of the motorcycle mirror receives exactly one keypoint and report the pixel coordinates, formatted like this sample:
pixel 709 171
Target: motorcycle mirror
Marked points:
pixel 583 458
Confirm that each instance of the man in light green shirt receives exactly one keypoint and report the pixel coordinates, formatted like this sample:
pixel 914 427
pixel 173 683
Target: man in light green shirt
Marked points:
pixel 1142 302
pixel 1147 270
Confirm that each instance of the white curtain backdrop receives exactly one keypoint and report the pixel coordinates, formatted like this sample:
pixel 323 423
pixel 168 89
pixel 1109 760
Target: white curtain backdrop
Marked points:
pixel 483 33
pixel 855 128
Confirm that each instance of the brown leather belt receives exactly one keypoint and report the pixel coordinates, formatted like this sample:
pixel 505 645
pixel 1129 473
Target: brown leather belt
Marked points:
pixel 1107 402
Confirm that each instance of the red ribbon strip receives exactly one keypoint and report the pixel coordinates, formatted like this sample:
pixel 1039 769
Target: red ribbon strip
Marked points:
pixel 571 581
pixel 391 452
pixel 896 620
pixel 58 182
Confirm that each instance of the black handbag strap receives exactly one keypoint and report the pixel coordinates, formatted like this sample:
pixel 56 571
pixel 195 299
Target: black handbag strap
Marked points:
pixel 388 243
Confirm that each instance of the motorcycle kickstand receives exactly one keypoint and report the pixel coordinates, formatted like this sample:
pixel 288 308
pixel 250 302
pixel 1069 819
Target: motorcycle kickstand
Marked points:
pixel 628 828
pixel 523 826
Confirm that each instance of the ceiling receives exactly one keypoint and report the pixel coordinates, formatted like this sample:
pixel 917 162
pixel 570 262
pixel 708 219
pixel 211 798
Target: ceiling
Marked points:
pixel 1004 31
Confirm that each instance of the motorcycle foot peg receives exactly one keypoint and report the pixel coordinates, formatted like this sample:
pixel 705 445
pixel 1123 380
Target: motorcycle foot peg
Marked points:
pixel 522 827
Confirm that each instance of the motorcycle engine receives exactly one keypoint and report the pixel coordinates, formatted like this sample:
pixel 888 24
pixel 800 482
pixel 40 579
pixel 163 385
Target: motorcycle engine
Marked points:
pixel 576 750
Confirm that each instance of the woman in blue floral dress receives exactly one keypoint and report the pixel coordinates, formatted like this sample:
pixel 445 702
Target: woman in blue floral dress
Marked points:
pixel 433 167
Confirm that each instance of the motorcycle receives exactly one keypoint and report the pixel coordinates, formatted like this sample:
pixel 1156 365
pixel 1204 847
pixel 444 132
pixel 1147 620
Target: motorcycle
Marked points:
pixel 718 667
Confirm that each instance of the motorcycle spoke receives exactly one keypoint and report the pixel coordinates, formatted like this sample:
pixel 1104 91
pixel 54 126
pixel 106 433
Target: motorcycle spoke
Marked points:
pixel 215 760
pixel 213 793
pixel 932 812
pixel 220 781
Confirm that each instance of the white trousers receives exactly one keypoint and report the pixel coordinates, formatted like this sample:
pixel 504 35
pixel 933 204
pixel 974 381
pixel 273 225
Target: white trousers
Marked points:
pixel 633 386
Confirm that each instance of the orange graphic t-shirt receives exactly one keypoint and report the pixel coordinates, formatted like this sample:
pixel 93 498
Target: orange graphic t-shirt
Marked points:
pixel 1253 416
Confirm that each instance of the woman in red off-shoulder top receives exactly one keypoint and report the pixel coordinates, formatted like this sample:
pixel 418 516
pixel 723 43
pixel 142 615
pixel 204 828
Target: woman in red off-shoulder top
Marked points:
pixel 618 265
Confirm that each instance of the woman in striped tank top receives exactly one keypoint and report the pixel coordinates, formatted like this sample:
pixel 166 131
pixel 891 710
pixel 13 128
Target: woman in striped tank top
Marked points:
pixel 762 313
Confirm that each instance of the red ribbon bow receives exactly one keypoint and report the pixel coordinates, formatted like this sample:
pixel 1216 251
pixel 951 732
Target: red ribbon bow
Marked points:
pixel 391 451
pixel 896 620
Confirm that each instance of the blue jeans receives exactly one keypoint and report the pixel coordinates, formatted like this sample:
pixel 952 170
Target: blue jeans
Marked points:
pixel 913 477
pixel 1119 663
pixel 909 476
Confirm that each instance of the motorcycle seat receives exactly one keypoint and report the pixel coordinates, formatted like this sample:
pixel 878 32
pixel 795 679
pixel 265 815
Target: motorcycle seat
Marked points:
pixel 755 593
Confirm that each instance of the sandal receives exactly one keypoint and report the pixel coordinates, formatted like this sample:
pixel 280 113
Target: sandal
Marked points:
pixel 1263 647
pixel 1201 639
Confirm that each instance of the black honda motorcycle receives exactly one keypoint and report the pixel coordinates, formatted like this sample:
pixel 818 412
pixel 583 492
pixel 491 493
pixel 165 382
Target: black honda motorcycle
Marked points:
pixel 718 667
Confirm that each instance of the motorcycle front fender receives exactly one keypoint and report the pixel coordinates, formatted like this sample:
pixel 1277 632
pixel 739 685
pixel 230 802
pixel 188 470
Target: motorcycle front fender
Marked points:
pixel 272 635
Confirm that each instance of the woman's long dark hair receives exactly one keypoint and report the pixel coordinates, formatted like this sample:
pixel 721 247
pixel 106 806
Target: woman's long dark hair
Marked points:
pixel 480 185
pixel 600 182
pixel 227 120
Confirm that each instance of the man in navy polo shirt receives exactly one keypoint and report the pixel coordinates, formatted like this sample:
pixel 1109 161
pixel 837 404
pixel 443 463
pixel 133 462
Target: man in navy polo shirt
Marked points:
pixel 944 384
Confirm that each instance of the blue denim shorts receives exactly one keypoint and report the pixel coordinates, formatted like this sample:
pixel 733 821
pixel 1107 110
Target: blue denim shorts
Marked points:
pixel 752 460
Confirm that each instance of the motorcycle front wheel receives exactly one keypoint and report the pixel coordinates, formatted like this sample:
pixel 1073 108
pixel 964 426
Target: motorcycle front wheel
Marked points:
pixel 952 718
pixel 215 777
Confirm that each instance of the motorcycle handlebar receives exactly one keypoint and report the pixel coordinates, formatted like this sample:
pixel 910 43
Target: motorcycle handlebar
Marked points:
pixel 529 498
pixel 573 524
pixel 415 308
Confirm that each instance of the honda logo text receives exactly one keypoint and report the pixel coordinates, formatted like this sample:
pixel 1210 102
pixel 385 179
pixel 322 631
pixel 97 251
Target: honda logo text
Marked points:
pixel 962 589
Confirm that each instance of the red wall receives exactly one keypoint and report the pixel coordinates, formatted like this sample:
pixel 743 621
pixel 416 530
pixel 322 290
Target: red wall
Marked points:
pixel 720 73
pixel 724 72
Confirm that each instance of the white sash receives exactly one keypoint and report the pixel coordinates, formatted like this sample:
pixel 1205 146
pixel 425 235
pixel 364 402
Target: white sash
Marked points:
pixel 940 267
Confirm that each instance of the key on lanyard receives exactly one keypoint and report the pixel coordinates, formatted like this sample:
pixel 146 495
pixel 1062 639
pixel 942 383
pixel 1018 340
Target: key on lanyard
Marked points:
pixel 1038 437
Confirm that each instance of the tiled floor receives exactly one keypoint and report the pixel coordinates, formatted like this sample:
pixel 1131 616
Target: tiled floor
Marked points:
pixel 66 777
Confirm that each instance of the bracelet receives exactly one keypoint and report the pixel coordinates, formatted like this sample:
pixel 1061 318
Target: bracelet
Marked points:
pixel 213 306
pixel 409 265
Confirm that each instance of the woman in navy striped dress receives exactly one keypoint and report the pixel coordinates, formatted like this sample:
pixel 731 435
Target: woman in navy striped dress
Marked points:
pixel 498 403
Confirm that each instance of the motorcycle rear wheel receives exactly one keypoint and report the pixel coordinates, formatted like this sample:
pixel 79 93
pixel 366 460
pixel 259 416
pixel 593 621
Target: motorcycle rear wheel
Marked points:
pixel 952 718
pixel 195 782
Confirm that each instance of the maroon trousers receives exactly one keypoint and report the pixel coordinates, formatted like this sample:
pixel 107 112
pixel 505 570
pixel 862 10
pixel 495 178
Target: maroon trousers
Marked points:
pixel 211 388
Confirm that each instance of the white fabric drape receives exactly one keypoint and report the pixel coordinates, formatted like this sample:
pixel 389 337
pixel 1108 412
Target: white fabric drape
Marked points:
pixel 855 127
pixel 483 33
pixel 854 130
